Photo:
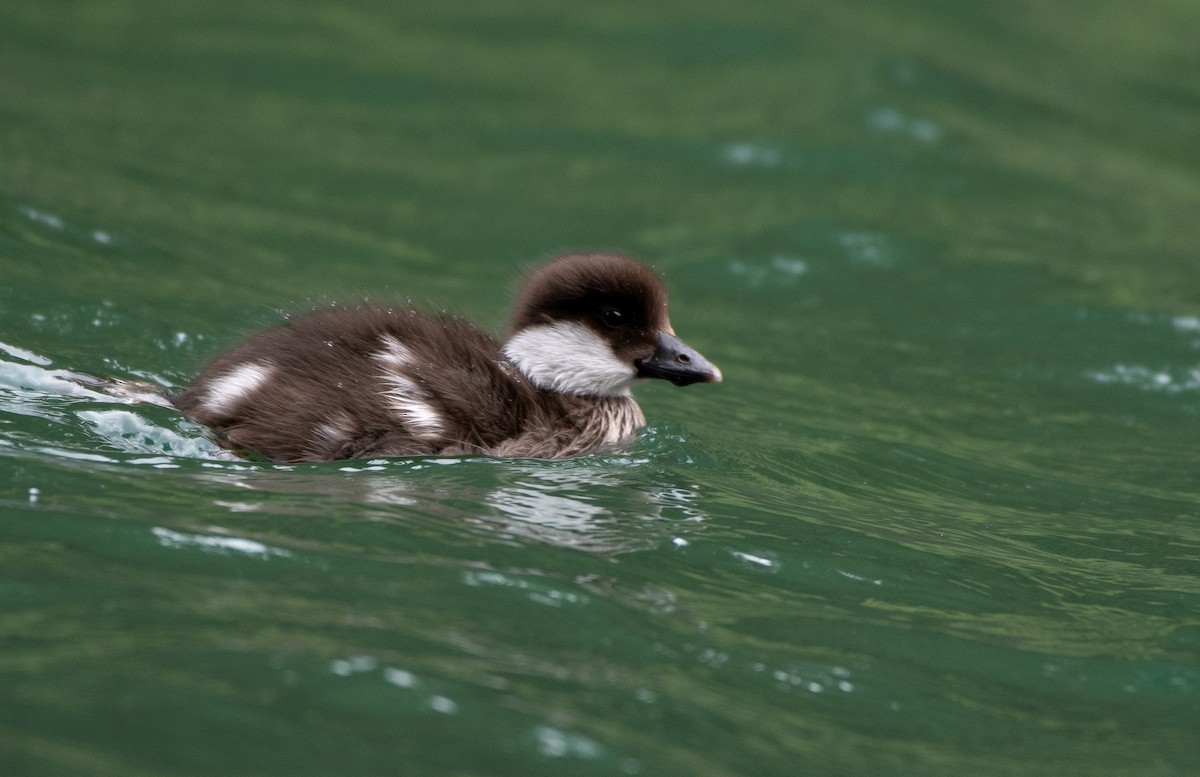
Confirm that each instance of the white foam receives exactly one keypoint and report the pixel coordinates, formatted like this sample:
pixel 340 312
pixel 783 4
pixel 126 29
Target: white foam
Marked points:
pixel 1186 323
pixel 556 743
pixel 751 155
pixel 129 432
pixel 1149 379
pixel 889 121
pixel 753 559
pixel 24 355
pixel 76 455
pixel 173 539
pixel 31 377
pixel 443 704
pixel 49 219
pixel 401 678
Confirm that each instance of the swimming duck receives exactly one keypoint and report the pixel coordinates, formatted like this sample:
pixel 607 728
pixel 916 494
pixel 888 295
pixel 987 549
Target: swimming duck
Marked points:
pixel 349 383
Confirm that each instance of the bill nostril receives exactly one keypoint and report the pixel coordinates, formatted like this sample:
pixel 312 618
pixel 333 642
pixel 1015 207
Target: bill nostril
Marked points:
pixel 683 358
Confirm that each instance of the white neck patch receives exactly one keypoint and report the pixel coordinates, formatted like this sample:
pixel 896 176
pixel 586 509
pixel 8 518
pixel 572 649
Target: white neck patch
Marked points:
pixel 569 358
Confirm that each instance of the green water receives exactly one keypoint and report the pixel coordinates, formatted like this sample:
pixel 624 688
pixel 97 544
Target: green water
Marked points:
pixel 941 518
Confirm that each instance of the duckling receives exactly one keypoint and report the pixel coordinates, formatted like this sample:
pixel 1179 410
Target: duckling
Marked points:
pixel 353 383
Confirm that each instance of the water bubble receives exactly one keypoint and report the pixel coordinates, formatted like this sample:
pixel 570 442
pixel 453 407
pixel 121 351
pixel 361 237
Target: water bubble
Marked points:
pixel 400 677
pixel 443 705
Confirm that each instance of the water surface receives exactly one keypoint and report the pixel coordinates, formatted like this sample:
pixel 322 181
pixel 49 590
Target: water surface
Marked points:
pixel 940 519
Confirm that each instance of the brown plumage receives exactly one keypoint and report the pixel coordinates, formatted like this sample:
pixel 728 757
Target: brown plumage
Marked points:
pixel 360 382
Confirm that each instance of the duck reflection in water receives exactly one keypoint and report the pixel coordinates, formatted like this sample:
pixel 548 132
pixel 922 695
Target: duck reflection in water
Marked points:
pixel 603 506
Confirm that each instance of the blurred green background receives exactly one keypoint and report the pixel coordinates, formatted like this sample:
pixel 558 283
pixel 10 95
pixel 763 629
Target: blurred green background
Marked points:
pixel 939 520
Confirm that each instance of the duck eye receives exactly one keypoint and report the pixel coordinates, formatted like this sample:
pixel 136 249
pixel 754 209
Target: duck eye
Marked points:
pixel 613 317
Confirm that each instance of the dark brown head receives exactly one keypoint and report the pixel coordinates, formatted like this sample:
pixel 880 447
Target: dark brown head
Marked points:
pixel 593 324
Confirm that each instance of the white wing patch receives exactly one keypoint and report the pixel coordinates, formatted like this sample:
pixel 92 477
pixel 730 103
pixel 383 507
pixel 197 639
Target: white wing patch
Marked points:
pixel 403 395
pixel 395 353
pixel 569 358
pixel 337 431
pixel 226 392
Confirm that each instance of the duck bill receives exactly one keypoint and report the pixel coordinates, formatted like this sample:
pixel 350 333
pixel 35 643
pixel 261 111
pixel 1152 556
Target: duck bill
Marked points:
pixel 676 361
